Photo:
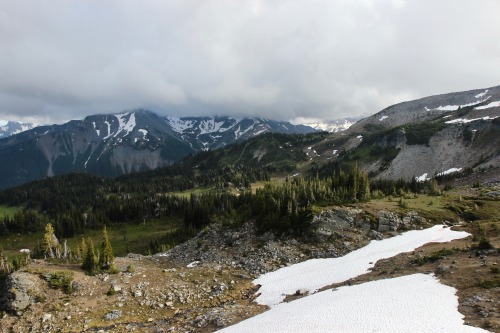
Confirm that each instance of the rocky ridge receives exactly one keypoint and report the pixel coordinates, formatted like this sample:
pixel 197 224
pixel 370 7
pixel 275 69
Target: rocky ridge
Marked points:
pixel 199 286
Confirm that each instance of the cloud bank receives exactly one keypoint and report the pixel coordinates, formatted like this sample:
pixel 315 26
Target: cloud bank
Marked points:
pixel 320 59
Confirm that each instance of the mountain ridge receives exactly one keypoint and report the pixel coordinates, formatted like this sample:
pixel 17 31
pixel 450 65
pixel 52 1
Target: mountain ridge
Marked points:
pixel 8 128
pixel 131 141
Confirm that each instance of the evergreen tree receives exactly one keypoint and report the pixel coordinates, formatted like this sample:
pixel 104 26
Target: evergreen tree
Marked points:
pixel 50 242
pixel 90 262
pixel 106 257
pixel 81 249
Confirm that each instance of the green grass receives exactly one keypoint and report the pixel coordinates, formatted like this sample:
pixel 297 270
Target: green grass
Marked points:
pixel 433 257
pixel 431 207
pixel 124 238
pixel 13 243
pixel 8 211
pixel 131 238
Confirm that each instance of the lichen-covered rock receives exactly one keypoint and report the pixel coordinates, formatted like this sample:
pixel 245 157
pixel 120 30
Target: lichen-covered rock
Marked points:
pixel 113 314
pixel 331 221
pixel 18 291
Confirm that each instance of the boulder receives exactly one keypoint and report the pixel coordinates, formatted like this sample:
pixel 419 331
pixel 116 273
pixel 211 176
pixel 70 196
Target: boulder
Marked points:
pixel 19 290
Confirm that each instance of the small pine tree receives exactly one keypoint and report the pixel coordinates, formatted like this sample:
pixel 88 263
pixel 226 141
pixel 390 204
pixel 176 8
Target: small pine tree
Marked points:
pixel 81 249
pixel 90 262
pixel 50 242
pixel 106 257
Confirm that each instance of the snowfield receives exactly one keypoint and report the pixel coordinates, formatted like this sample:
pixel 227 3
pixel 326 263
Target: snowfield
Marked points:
pixel 413 303
pixel 314 274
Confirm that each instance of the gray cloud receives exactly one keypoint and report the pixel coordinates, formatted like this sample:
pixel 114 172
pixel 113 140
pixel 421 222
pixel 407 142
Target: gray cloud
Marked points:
pixel 324 59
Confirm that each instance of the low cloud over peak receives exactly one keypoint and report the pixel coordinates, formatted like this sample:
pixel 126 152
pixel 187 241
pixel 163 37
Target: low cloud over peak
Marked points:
pixel 283 60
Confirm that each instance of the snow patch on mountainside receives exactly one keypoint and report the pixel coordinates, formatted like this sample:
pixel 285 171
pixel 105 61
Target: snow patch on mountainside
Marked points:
pixel 239 132
pixel 314 274
pixel 179 125
pixel 465 121
pixel 332 126
pixel 482 94
pixel 413 303
pixel 422 178
pixel 210 126
pixel 456 107
pixel 109 130
pixel 447 172
pixel 124 124
pixel 490 105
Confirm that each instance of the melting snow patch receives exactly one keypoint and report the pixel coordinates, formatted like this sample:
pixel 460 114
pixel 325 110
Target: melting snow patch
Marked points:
pixel 179 125
pixel 447 172
pixel 109 130
pixel 465 121
pixel 260 132
pixel 314 274
pixel 455 107
pixel 422 178
pixel 412 303
pixel 490 105
pixel 383 117
pixel 144 132
pixel 481 94
pixel 126 125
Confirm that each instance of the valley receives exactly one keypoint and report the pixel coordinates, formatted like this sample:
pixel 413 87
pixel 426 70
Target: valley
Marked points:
pixel 194 237
pixel 206 283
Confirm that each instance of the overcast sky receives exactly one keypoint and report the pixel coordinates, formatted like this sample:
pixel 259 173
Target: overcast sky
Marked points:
pixel 278 59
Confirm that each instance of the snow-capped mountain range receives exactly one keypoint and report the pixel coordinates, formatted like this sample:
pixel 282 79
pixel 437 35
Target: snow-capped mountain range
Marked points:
pixel 8 128
pixel 333 126
pixel 111 145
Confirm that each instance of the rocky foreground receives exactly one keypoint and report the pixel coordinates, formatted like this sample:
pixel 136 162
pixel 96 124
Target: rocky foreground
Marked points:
pixel 206 283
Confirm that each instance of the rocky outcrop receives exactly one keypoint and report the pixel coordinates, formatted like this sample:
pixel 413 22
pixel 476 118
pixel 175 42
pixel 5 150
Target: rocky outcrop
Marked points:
pixel 390 221
pixel 19 291
pixel 241 247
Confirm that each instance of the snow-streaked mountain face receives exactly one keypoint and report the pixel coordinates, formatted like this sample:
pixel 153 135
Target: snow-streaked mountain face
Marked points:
pixel 205 133
pixel 111 145
pixel 8 128
pixel 482 102
pixel 333 126
pixel 434 136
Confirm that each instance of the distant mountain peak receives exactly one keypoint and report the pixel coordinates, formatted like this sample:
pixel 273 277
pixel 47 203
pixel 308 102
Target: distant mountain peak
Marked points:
pixel 8 128
pixel 333 126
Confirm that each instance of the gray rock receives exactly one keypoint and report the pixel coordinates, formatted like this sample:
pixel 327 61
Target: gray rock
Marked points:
pixel 442 269
pixel 388 221
pixel 113 314
pixel 18 291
